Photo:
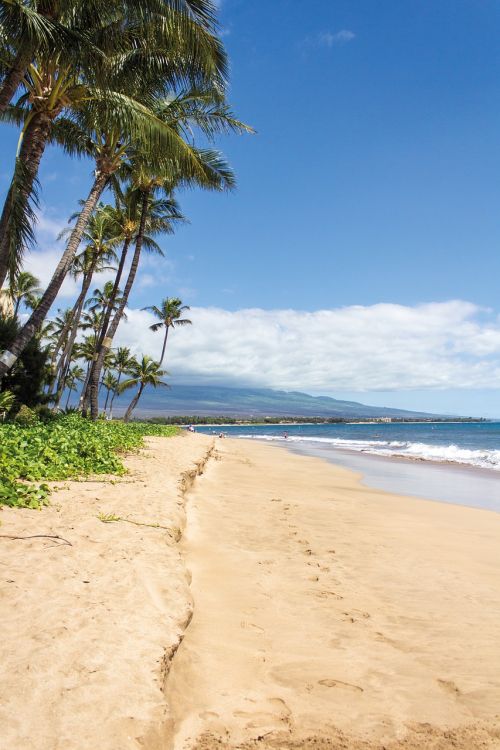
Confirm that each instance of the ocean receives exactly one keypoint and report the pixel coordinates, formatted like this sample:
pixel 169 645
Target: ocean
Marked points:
pixel 451 462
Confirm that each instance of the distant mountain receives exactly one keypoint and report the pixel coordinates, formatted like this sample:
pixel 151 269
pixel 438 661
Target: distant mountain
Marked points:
pixel 253 402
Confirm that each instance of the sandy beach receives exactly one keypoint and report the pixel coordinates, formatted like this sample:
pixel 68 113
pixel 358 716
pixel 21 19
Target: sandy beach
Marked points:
pixel 325 614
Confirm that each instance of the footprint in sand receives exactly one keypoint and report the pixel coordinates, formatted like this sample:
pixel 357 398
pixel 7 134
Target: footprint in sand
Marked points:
pixel 341 684
pixel 355 615
pixel 328 595
pixel 247 625
pixel 449 686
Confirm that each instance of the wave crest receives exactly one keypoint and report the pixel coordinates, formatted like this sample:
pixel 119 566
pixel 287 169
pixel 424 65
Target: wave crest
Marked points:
pixel 485 459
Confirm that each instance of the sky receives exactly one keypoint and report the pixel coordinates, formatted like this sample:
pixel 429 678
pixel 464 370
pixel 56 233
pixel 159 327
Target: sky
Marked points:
pixel 360 255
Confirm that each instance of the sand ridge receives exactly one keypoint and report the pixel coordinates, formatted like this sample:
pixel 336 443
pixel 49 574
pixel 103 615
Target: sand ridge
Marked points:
pixel 329 615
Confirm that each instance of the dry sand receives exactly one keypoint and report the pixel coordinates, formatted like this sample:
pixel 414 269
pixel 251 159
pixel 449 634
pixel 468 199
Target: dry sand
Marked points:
pixel 326 614
pixel 87 629
pixel 330 615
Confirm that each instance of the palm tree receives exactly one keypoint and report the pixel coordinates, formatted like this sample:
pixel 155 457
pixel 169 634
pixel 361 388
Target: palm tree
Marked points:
pixel 85 350
pixel 154 136
pixel 94 258
pixel 170 316
pixel 207 111
pixel 26 28
pixel 75 375
pixel 144 373
pixel 92 321
pixel 110 382
pixel 164 44
pixel 103 299
pixel 122 362
pixel 24 289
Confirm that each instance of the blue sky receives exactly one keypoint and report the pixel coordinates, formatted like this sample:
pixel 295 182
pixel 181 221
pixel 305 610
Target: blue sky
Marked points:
pixel 373 178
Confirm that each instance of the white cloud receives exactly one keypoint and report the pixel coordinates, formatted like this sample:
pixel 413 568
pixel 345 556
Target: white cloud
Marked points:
pixel 382 347
pixel 329 38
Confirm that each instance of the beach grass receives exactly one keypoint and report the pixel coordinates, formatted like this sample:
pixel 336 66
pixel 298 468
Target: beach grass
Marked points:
pixel 67 447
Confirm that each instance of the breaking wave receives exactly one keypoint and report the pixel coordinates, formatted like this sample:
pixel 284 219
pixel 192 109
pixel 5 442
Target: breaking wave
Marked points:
pixel 485 458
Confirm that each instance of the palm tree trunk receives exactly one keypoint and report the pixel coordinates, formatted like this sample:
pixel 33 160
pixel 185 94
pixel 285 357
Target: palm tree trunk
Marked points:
pixel 32 148
pixel 62 341
pixel 115 392
pixel 9 357
pixel 105 322
pixel 65 360
pixel 12 80
pixel 67 400
pixel 133 404
pixel 114 292
pixel 110 333
pixel 84 386
pixel 164 343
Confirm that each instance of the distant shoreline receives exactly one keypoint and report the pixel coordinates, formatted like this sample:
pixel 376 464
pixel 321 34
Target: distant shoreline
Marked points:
pixel 197 420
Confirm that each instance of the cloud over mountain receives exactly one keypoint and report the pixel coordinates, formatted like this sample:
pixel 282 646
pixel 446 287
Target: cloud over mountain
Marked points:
pixel 380 347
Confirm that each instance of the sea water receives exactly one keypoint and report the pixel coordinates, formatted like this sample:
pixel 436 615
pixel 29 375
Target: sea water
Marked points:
pixel 457 462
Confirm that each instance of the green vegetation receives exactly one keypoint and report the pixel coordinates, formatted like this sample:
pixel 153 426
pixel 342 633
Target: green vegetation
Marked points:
pixel 65 447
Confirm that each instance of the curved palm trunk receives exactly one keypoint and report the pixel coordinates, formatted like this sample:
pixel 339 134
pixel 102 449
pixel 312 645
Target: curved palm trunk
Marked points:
pixel 114 292
pixel 67 400
pixel 133 403
pixel 84 386
pixel 65 359
pixel 115 392
pixel 164 343
pixel 62 341
pixel 106 402
pixel 12 80
pixel 94 378
pixel 110 333
pixel 25 172
pixel 110 305
pixel 10 357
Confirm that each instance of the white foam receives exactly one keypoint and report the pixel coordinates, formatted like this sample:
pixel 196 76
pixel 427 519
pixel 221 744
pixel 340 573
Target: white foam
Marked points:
pixel 486 459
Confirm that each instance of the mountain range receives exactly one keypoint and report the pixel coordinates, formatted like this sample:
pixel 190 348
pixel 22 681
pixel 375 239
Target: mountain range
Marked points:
pixel 188 400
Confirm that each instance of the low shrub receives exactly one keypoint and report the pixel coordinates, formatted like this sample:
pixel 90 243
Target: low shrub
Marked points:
pixel 67 447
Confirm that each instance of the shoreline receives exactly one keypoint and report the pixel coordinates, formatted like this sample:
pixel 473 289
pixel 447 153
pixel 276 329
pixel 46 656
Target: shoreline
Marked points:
pixel 289 606
pixel 331 615
pixel 447 482
pixel 427 479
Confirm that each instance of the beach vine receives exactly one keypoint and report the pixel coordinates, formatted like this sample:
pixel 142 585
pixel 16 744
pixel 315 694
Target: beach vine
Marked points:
pixel 67 447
